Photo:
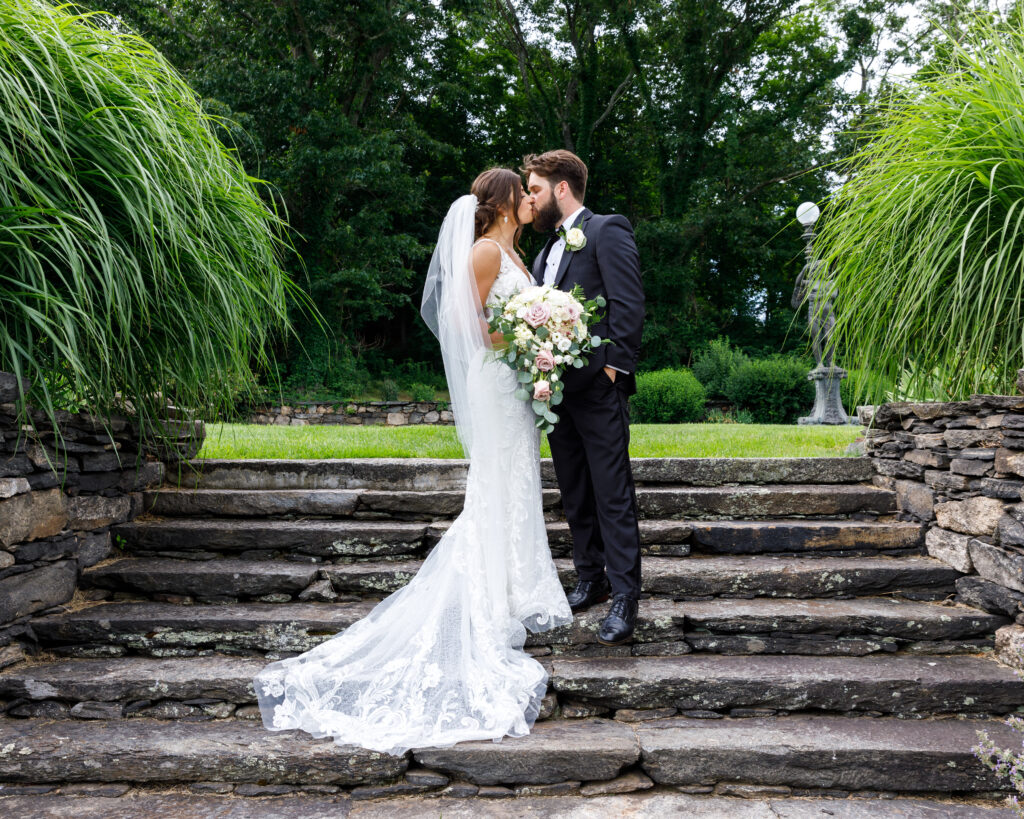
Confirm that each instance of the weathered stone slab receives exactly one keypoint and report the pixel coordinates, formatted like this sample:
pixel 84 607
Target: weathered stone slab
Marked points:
pixel 1002 566
pixel 9 487
pixel 868 616
pixel 970 466
pixel 641 805
pixel 213 578
pixel 146 751
pixel 135 678
pixel 312 537
pixel 905 685
pixel 96 511
pixel 1007 490
pixel 250 503
pixel 988 596
pixel 1009 461
pixel 718 471
pixel 715 576
pixel 422 474
pixel 966 438
pixel 1010 646
pixel 915 499
pixel 753 537
pixel 37 589
pixel 32 515
pixel 553 752
pixel 952 548
pixel 821 752
pixel 974 516
pixel 947 481
pixel 894 468
pixel 772 500
pixel 148 626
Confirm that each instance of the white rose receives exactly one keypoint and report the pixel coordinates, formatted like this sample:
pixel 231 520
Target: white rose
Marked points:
pixel 574 238
pixel 547 345
pixel 563 344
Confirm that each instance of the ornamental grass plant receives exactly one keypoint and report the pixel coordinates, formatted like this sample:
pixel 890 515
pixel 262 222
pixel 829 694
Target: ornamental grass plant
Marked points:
pixel 140 264
pixel 925 242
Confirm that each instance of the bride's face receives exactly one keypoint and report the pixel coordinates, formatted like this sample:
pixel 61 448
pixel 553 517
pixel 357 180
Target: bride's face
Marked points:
pixel 525 213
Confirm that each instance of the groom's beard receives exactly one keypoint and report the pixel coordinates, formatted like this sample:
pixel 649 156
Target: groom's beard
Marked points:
pixel 547 218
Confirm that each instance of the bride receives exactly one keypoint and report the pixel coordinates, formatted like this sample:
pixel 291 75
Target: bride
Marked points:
pixel 441 661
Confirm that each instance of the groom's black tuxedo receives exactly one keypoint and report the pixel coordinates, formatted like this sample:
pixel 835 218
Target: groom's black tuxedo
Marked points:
pixel 590 442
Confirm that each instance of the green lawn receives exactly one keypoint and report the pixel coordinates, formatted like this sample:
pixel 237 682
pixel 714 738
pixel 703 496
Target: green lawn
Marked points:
pixel 648 441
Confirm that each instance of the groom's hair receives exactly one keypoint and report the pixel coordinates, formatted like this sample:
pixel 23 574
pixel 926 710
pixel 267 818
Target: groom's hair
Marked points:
pixel 559 166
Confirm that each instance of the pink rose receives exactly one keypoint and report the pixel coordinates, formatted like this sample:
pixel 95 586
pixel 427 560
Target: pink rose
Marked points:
pixel 537 313
pixel 574 312
pixel 545 361
pixel 541 391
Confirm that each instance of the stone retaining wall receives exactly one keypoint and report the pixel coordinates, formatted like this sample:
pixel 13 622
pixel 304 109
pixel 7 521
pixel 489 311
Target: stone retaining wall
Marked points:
pixel 58 501
pixel 959 467
pixel 387 413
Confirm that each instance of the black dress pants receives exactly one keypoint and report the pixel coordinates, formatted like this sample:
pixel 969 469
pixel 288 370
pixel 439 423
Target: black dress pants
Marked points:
pixel 590 449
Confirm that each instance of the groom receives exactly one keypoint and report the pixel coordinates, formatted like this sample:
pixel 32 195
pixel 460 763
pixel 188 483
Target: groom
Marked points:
pixel 590 442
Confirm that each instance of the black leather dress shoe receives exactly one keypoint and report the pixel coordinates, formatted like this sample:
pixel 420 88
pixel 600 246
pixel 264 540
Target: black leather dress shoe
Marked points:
pixel 587 593
pixel 617 628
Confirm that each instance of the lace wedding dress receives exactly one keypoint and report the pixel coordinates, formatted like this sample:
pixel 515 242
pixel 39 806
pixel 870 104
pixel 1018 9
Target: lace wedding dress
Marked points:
pixel 441 661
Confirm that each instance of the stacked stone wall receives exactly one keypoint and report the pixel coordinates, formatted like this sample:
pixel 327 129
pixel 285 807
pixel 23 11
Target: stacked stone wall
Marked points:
pixel 59 499
pixel 959 467
pixel 384 413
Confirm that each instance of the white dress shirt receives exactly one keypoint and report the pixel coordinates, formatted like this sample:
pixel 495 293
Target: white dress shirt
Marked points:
pixel 558 248
pixel 555 259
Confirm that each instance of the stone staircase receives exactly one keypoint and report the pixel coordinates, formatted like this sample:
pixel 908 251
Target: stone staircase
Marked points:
pixel 794 645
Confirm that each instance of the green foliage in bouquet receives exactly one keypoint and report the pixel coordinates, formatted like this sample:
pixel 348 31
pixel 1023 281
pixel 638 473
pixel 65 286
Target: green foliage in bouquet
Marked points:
pixel 521 354
pixel 668 397
pixel 139 262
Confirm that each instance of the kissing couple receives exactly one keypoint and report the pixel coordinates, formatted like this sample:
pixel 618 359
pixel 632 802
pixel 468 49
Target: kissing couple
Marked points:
pixel 441 660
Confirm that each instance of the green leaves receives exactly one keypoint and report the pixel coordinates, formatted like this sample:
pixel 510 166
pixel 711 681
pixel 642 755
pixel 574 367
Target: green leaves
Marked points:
pixel 140 264
pixel 926 241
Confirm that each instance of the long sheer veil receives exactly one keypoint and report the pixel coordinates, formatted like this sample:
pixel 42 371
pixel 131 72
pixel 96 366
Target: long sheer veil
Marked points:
pixel 451 309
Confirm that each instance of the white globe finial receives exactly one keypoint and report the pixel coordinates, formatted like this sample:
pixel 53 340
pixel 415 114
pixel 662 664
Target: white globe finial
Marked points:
pixel 807 213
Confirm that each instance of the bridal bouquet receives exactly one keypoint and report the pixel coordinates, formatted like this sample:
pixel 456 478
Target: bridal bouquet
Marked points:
pixel 547 330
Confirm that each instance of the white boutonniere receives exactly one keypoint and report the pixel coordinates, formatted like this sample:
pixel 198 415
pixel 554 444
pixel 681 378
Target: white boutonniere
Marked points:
pixel 575 239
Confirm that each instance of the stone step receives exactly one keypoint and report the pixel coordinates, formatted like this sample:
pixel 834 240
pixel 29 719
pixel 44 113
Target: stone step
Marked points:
pixel 765 501
pixel 759 626
pixel 890 685
pixel 427 474
pixel 755 803
pixel 919 578
pixel 799 752
pixel 214 686
pixel 373 540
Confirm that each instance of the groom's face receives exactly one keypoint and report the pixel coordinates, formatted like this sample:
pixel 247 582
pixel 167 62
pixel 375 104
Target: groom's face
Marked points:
pixel 547 208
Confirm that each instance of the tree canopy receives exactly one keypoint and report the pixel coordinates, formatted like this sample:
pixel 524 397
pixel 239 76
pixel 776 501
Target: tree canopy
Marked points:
pixel 705 122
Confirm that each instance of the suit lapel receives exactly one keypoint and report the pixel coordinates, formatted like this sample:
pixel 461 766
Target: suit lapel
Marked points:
pixel 541 261
pixel 568 255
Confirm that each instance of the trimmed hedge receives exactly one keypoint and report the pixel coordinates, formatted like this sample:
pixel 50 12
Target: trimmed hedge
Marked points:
pixel 668 397
pixel 713 365
pixel 772 390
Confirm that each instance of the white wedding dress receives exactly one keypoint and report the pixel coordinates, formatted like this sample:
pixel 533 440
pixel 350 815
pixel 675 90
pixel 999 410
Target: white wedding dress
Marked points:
pixel 441 660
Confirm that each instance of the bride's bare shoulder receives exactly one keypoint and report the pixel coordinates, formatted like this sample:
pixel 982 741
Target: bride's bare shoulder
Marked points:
pixel 486 257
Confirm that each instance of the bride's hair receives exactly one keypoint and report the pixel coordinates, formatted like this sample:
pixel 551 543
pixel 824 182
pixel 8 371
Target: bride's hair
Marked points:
pixel 493 189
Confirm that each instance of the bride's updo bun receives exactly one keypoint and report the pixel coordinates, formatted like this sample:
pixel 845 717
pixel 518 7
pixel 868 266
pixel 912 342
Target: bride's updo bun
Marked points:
pixel 494 189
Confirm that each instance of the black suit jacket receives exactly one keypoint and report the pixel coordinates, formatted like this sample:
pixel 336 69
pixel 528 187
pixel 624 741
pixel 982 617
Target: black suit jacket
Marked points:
pixel 608 265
